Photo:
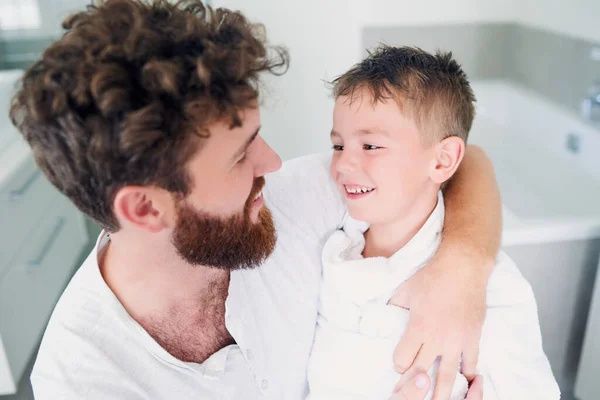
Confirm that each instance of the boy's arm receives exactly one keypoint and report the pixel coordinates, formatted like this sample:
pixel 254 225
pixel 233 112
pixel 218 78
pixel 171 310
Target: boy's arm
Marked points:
pixel 447 298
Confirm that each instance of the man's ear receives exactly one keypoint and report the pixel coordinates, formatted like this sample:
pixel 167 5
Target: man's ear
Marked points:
pixel 144 207
pixel 447 157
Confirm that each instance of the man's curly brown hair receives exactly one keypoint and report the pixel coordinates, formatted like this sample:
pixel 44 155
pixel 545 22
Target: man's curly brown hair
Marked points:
pixel 126 95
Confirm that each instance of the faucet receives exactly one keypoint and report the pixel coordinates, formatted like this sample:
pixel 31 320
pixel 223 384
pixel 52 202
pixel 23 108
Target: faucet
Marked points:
pixel 590 107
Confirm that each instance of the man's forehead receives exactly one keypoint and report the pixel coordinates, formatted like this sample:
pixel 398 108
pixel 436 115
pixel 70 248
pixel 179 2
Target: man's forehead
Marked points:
pixel 249 121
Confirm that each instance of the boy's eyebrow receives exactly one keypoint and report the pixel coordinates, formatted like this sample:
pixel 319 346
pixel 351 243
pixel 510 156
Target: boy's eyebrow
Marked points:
pixel 363 132
pixel 372 131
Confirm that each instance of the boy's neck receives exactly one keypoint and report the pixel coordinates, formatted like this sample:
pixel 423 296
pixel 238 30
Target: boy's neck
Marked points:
pixel 385 239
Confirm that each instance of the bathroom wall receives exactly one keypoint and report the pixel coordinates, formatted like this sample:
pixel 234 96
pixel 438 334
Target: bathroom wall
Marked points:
pixel 51 14
pixel 555 65
pixel 482 48
pixel 574 18
pixel 324 38
pixel 531 41
pixel 393 12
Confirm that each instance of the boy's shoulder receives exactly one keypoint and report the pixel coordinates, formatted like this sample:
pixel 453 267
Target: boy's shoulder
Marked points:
pixel 507 286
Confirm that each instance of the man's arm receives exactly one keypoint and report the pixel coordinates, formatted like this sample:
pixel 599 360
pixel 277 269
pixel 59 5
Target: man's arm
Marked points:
pixel 447 298
pixel 473 222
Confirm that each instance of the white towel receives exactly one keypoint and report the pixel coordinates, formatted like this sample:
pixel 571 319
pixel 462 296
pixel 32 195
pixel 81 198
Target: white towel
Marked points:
pixel 358 331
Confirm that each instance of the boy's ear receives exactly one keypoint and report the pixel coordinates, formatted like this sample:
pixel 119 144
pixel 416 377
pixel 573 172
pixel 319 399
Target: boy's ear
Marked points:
pixel 447 157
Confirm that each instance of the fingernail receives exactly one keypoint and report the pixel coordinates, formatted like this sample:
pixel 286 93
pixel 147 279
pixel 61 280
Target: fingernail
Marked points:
pixel 420 382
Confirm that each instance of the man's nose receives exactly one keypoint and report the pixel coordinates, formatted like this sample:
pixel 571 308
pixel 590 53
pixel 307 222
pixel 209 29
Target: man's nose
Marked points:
pixel 268 161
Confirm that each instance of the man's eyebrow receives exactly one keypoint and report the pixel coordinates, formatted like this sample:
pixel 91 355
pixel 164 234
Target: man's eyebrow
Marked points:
pixel 246 144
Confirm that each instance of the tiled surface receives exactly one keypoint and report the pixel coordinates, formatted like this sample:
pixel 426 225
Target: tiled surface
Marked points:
pixel 556 66
pixel 481 48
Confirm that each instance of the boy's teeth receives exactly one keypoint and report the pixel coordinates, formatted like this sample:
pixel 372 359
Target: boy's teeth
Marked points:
pixel 258 195
pixel 357 190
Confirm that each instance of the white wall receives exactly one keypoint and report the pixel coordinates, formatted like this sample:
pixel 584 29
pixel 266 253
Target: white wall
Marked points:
pixel 577 18
pixel 52 13
pixel 393 12
pixel 323 38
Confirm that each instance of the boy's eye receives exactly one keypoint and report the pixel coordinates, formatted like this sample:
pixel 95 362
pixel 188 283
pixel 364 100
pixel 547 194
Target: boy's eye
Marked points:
pixel 337 147
pixel 241 160
pixel 370 147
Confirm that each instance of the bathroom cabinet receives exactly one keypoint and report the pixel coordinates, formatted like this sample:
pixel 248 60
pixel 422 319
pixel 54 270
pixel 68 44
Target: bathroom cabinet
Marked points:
pixel 42 236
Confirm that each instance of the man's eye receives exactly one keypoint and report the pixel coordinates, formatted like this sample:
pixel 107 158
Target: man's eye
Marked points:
pixel 337 147
pixel 241 160
pixel 370 147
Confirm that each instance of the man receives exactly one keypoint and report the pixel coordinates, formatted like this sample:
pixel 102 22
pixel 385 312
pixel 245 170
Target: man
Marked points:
pixel 146 116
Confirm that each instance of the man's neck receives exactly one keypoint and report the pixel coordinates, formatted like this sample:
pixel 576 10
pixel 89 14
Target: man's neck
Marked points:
pixel 387 238
pixel 167 296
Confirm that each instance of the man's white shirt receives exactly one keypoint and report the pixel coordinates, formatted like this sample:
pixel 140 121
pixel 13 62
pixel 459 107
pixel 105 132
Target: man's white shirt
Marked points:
pixel 92 349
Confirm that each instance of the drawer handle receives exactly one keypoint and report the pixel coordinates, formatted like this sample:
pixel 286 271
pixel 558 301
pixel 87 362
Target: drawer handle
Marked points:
pixel 15 195
pixel 37 262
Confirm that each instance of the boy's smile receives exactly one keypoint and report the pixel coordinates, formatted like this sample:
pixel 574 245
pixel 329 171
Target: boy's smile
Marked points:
pixel 380 163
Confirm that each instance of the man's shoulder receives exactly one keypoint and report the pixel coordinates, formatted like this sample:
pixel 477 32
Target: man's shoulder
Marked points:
pixel 77 344
pixel 78 314
pixel 302 193
pixel 83 299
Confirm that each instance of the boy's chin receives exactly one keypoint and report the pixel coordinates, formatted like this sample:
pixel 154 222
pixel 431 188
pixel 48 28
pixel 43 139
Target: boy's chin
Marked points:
pixel 362 214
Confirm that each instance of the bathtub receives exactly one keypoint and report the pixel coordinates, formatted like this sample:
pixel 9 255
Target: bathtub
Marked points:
pixel 547 164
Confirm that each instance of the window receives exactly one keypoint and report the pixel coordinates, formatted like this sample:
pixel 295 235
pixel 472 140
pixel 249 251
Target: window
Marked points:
pixel 19 14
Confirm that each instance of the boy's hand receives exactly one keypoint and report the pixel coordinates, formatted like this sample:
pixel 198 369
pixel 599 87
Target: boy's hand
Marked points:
pixel 418 387
pixel 447 311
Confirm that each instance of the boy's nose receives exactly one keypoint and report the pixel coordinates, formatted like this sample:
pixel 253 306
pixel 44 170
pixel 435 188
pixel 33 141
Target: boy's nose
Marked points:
pixel 346 163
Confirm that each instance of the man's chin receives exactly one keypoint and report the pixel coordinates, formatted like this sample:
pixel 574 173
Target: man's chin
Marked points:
pixel 234 243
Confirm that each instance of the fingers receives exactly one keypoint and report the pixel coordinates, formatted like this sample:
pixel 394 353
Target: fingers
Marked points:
pixel 407 349
pixel 446 377
pixel 416 389
pixel 470 357
pixel 423 362
pixel 476 389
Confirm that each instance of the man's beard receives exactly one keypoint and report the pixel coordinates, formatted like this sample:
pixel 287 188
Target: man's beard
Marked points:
pixel 228 243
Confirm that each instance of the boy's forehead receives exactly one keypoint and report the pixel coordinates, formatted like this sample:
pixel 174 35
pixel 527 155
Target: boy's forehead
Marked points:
pixel 380 118
pixel 377 115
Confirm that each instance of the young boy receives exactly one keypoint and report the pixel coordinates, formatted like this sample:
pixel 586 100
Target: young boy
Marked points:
pixel 400 124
